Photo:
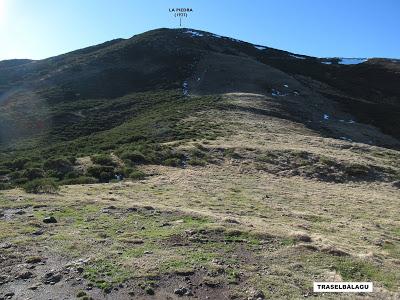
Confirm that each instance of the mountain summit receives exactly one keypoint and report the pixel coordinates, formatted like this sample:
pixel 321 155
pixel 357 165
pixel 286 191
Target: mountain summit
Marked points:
pixel 163 59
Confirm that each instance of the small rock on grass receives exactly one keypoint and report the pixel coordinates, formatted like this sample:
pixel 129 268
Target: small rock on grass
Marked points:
pixel 52 278
pixel 4 279
pixel 49 220
pixel 34 287
pixel 256 294
pixel 396 184
pixel 5 246
pixel 38 232
pixel 182 291
pixel 9 295
pixel 24 275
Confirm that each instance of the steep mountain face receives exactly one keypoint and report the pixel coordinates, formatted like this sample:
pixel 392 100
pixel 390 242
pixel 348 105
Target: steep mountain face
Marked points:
pixel 307 88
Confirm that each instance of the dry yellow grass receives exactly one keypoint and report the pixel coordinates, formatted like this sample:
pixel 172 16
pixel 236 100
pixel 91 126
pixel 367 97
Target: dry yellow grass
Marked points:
pixel 312 218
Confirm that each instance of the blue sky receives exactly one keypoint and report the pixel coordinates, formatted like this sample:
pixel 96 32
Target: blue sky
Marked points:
pixel 348 28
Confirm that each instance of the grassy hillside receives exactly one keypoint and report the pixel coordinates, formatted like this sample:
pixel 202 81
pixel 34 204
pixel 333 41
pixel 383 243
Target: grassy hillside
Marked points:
pixel 139 124
pixel 260 208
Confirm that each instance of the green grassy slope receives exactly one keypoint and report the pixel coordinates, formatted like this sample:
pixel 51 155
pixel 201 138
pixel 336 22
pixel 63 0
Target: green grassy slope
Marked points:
pixel 136 123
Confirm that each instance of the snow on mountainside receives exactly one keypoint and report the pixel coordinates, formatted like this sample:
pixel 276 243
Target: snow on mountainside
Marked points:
pixel 352 61
pixel 327 61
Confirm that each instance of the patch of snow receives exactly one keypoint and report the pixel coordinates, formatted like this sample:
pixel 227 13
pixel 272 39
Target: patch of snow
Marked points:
pixel 198 79
pixel 260 47
pixel 352 61
pixel 194 33
pixel 351 122
pixel 185 88
pixel 296 93
pixel 285 85
pixel 326 117
pixel 297 56
pixel 277 93
pixel 327 62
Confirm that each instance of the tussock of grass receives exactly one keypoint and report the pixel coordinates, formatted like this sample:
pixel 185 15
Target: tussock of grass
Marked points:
pixel 38 186
pixel 310 165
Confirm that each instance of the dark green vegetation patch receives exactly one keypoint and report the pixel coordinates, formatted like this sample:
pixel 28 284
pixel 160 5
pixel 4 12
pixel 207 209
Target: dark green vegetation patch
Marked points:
pixel 133 128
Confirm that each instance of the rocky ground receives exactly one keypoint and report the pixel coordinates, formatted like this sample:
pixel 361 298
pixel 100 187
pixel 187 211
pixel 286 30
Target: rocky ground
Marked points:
pixel 276 207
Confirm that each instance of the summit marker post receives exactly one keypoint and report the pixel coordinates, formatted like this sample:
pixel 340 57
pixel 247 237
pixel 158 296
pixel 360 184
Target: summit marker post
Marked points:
pixel 180 13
